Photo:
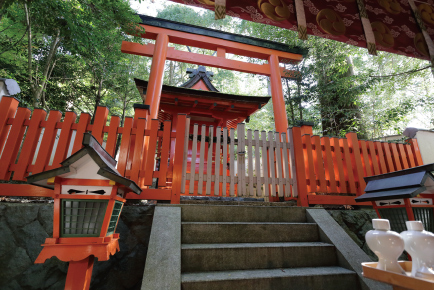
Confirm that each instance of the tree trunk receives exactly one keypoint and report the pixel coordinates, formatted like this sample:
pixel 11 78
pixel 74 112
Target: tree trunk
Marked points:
pixel 37 91
pixel 98 97
pixel 29 52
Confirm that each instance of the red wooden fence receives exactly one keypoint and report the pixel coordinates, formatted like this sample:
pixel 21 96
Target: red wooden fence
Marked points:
pixel 329 170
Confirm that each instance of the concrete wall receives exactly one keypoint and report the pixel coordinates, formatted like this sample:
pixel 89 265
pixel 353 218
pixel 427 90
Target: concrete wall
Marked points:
pixel 425 139
pixel 24 227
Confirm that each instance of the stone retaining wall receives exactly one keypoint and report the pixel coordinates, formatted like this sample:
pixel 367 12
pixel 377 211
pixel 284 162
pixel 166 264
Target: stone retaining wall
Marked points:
pixel 24 227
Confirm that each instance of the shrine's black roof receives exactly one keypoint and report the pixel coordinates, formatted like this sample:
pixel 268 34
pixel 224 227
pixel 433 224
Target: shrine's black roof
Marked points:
pixel 179 26
pixel 204 94
pixel 199 74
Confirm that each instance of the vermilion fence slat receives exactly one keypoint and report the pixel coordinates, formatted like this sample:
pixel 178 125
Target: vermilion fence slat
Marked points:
pixel 410 155
pixel 388 156
pixel 310 171
pixel 356 160
pixel 328 164
pixel 112 136
pixel 138 150
pixel 165 148
pixel 403 156
pixel 13 142
pixel 150 158
pixel 30 143
pixel 348 168
pixel 64 138
pixel 47 142
pixel 365 158
pixel 395 156
pixel 319 165
pixel 381 158
pixel 338 165
pixel 99 122
pixel 125 145
pixel 374 157
pixel 81 129
pixel 8 108
pixel 416 152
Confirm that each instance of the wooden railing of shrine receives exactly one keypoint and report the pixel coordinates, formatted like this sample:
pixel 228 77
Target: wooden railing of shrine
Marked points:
pixel 291 165
pixel 333 168
pixel 217 163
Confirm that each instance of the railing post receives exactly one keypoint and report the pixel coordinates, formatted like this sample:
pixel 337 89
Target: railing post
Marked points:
pixel 8 107
pixel 297 149
pixel 178 159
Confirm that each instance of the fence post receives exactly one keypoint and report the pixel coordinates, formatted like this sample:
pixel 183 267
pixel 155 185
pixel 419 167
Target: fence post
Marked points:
pixel 297 151
pixel 178 159
pixel 8 107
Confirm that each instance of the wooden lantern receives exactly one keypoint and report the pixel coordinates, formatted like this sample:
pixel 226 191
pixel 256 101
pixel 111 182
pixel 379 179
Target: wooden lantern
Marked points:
pixel 89 195
pixel 401 196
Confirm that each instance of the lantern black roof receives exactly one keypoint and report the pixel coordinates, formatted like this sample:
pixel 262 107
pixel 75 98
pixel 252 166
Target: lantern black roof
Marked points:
pixel 106 164
pixel 405 183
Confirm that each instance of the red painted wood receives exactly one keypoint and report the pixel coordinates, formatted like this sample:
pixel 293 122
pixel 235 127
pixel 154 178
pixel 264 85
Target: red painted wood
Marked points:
pixel 308 159
pixel 318 163
pixel 356 160
pixel 388 157
pixel 416 152
pixel 112 136
pixel 29 145
pixel 165 149
pixel 79 274
pixel 411 158
pixel 64 138
pixel 365 158
pixel 81 129
pixel 374 157
pixel 335 199
pixel 381 158
pixel 328 165
pixel 403 156
pixel 300 167
pixel 178 159
pixel 99 122
pixel 8 107
pixel 8 189
pixel 125 145
pixel 138 150
pixel 47 142
pixel 13 142
pixel 150 154
pixel 338 165
pixel 395 156
pixel 348 167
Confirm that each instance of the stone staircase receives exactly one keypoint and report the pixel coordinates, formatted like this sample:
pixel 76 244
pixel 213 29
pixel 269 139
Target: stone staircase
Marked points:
pixel 248 247
pixel 253 247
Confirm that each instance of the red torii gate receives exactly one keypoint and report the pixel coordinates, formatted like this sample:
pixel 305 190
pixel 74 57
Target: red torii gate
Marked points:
pixel 165 32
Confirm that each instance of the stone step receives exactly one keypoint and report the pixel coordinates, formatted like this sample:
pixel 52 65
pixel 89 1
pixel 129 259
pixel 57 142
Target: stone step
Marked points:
pixel 247 232
pixel 324 278
pixel 230 213
pixel 242 256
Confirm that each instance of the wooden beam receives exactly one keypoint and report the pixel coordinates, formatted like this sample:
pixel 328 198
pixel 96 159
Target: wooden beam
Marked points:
pixel 195 58
pixel 335 199
pixel 7 189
